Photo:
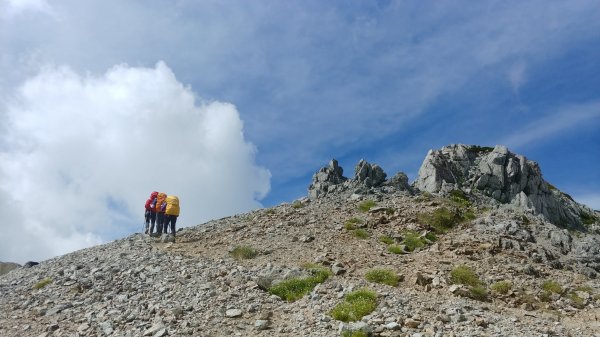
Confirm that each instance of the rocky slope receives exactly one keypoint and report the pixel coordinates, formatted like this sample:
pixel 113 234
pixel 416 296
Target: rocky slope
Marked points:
pixel 197 286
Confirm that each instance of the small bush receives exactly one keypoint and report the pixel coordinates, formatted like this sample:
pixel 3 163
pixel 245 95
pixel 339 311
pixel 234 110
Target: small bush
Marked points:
pixel 297 204
pixel 386 239
pixel 383 276
pixel 587 219
pixel 270 211
pixel 295 288
pixel 243 253
pixel 576 301
pixel 361 233
pixel 501 287
pixel 366 205
pixel 396 249
pixel 352 224
pixel 356 305
pixel 478 293
pixel 464 275
pixel 431 236
pixel 441 220
pixel 552 287
pixel 413 241
pixel 460 198
pixel 42 283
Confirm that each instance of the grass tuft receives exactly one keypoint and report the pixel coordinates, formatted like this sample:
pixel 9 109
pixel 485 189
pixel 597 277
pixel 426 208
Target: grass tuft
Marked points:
pixel 465 275
pixel 356 305
pixel 551 287
pixel 295 288
pixel 243 253
pixel 352 224
pixel 396 249
pixel 412 240
pixel 366 205
pixel 478 293
pixel 382 276
pixel 42 283
pixel 501 287
pixel 355 333
pixel 361 233
pixel 441 219
pixel 297 204
pixel 386 239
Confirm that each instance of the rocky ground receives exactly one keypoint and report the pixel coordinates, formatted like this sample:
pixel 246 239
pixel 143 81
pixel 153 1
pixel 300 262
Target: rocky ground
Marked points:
pixel 486 215
pixel 139 286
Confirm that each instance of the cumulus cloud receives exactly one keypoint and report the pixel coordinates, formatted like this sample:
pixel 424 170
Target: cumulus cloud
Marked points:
pixel 11 8
pixel 81 154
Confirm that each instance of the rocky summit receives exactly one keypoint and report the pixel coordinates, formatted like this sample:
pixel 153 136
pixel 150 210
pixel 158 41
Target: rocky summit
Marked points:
pixel 478 245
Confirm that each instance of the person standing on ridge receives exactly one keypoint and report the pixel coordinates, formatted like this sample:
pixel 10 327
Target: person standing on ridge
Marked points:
pixel 161 206
pixel 150 213
pixel 171 213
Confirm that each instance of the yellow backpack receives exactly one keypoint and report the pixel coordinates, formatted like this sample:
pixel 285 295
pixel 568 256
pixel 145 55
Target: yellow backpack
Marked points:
pixel 172 205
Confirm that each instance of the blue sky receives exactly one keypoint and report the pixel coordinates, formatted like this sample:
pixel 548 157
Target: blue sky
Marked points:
pixel 258 95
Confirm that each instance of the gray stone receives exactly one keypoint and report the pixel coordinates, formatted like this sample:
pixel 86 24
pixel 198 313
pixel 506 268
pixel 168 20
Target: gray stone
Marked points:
pixel 232 313
pixel 261 324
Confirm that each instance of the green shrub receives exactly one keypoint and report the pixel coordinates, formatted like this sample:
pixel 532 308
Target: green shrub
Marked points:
pixel 243 253
pixel 412 241
pixel 366 205
pixel 396 249
pixel 587 219
pixel 501 287
pixel 431 236
pixel 460 198
pixel 383 276
pixel 551 287
pixel 425 196
pixel 464 275
pixel 352 224
pixel 576 301
pixel 478 293
pixel 386 239
pixel 297 204
pixel 481 149
pixel 270 211
pixel 441 219
pixel 361 233
pixel 525 220
pixel 42 283
pixel 295 288
pixel 356 305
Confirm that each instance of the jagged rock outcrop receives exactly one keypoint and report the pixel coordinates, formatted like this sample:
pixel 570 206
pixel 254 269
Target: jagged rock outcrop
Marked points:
pixel 5 267
pixel 502 175
pixel 326 179
pixel 367 176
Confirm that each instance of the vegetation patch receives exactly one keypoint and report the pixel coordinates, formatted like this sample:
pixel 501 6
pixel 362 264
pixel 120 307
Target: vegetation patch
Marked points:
pixel 386 239
pixel 356 305
pixel 575 300
pixel 270 211
pixel 551 286
pixel 42 283
pixel 382 276
pixel 396 249
pixel 412 240
pixel 295 288
pixel 361 233
pixel 460 198
pixel 425 196
pixel 243 253
pixel 465 275
pixel 441 219
pixel 352 224
pixel 501 287
pixel 366 205
pixel 478 293
pixel 481 149
pixel 587 219
pixel 297 204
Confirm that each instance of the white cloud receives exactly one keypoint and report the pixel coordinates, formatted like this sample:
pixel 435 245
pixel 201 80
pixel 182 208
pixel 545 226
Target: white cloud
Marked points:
pixel 563 120
pixel 11 8
pixel 82 153
pixel 516 75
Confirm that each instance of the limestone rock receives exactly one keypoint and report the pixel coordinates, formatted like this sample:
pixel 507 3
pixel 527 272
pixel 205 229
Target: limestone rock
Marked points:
pixel 5 267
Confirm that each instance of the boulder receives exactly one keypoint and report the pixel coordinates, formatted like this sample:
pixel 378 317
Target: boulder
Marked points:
pixel 370 175
pixel 502 175
pixel 5 267
pixel 325 179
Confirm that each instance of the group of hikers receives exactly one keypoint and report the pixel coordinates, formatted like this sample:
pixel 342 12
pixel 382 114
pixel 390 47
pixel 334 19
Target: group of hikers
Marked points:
pixel 163 211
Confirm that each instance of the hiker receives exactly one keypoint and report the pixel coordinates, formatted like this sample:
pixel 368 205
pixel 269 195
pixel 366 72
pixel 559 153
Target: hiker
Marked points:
pixel 150 213
pixel 161 206
pixel 171 213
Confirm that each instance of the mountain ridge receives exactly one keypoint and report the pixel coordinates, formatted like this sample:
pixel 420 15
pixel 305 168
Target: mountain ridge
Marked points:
pixel 205 285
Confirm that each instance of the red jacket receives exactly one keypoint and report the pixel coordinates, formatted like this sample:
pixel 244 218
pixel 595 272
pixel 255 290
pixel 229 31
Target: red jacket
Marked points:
pixel 151 200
